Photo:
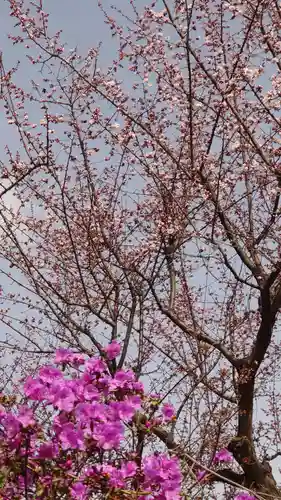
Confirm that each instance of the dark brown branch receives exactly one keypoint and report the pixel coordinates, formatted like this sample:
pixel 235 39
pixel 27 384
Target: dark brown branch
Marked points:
pixel 266 229
pixel 230 231
pixel 257 475
pixel 232 270
pixel 128 333
pixel 272 457
pixel 246 383
pixel 269 308
pixel 166 438
pixel 198 335
pixel 227 475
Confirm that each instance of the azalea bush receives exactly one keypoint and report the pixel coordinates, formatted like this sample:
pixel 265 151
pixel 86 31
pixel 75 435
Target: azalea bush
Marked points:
pixel 67 440
pixel 71 436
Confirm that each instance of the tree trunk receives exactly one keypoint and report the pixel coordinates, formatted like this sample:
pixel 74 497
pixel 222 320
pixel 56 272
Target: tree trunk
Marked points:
pixel 257 477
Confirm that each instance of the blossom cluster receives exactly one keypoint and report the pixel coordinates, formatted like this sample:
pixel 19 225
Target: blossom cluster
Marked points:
pixel 67 439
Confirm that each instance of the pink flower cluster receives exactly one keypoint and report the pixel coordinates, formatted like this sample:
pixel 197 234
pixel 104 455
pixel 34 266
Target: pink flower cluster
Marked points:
pixel 68 438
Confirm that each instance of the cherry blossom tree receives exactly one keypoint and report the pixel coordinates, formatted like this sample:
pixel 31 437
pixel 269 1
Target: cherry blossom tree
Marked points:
pixel 149 213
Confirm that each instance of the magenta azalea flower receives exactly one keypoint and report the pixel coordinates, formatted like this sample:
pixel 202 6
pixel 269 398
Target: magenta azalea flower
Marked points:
pixel 109 435
pixel 77 359
pixel 71 438
pixel 48 451
pixel 122 380
pixel 112 350
pixel 95 366
pixel 91 393
pixel 86 411
pixel 61 396
pixel 244 496
pixel 26 417
pixel 89 409
pixel 129 469
pixel 35 389
pixel 138 386
pixel 79 491
pixel 168 411
pixel 63 356
pixel 223 456
pixel 67 356
pixel 77 387
pixel 116 479
pixel 50 373
pixel 164 472
pixel 201 474
pixel 11 425
pixel 125 410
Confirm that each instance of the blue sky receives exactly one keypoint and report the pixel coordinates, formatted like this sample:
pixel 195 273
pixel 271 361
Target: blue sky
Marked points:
pixel 82 24
pixel 81 21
